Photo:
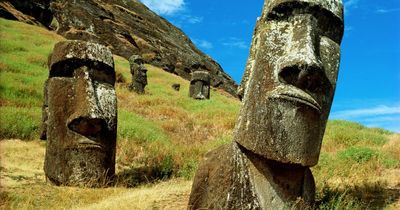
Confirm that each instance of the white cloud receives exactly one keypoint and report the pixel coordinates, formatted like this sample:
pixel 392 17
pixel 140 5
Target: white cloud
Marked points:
pixel 194 19
pixel 384 11
pixel 165 7
pixel 204 44
pixel 382 116
pixel 348 28
pixel 235 42
pixel 350 4
pixel 366 112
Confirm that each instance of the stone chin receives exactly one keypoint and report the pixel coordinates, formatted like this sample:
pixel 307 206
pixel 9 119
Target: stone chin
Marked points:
pixel 289 130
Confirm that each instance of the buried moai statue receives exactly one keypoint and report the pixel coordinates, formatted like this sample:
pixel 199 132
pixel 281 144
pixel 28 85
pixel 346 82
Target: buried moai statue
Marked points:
pixel 82 115
pixel 287 97
pixel 200 85
pixel 139 74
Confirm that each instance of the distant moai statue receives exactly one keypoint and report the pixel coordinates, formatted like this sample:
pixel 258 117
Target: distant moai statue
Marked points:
pixel 139 74
pixel 176 86
pixel 82 115
pixel 199 83
pixel 289 85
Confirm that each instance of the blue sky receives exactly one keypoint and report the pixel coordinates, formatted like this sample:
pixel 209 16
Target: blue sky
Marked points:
pixel 368 88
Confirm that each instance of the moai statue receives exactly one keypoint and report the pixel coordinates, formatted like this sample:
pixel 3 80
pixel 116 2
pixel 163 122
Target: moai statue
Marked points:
pixel 139 74
pixel 285 107
pixel 200 85
pixel 176 86
pixel 82 115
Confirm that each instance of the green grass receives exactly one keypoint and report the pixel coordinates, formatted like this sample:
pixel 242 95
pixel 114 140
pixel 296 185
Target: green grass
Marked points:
pixel 22 123
pixel 346 133
pixel 136 127
pixel 164 134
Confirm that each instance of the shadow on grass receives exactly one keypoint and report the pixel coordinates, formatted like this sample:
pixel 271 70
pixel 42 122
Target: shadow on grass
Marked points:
pixel 141 175
pixel 364 196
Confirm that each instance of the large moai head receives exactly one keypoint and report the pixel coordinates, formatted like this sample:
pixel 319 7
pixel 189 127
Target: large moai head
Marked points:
pixel 139 74
pixel 82 114
pixel 291 80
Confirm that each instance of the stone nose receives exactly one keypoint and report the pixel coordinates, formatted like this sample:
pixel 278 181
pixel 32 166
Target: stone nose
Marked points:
pixel 301 65
pixel 86 119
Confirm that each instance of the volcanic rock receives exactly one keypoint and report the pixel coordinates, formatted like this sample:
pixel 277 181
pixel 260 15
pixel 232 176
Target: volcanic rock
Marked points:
pixel 128 28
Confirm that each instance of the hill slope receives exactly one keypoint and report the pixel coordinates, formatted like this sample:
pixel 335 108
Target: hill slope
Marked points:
pixel 127 28
pixel 162 135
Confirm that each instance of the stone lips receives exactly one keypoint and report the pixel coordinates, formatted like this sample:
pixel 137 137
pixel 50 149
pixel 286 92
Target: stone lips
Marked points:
pixel 81 50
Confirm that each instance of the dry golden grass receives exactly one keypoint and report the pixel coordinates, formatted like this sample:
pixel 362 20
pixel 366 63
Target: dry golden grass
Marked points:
pixel 23 186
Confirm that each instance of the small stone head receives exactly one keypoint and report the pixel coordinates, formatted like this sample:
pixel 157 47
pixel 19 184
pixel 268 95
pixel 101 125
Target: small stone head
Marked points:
pixel 82 114
pixel 135 61
pixel 139 74
pixel 290 88
pixel 200 85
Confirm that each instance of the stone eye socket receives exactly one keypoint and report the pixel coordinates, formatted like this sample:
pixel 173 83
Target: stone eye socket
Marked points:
pixel 102 76
pixel 328 24
pixel 62 69
pixel 97 71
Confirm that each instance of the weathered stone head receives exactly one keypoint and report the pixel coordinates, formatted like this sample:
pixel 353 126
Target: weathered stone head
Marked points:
pixel 200 85
pixel 291 80
pixel 139 74
pixel 82 114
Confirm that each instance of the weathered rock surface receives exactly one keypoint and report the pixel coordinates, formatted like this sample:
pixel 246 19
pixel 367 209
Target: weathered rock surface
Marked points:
pixel 81 115
pixel 35 12
pixel 129 27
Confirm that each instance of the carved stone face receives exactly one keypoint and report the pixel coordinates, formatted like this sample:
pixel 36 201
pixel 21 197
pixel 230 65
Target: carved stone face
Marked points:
pixel 82 119
pixel 290 87
pixel 200 85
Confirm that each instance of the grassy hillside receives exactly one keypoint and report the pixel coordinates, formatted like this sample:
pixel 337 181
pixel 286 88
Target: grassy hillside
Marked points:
pixel 162 135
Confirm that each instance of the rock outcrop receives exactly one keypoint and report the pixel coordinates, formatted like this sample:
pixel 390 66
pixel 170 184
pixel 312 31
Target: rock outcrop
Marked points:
pixel 126 27
pixel 130 28
pixel 34 12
